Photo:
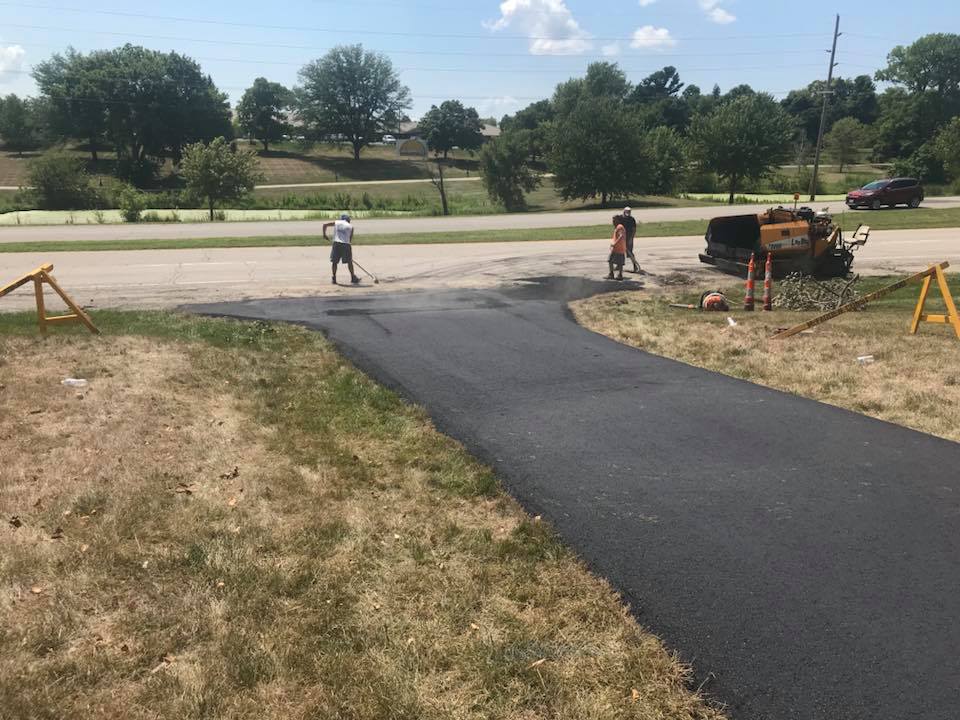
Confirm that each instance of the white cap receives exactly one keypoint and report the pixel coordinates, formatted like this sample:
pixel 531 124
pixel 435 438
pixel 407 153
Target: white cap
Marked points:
pixel 626 211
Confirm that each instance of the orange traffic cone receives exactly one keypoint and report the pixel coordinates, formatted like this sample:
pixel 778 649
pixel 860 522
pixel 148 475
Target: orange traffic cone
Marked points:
pixel 768 284
pixel 751 276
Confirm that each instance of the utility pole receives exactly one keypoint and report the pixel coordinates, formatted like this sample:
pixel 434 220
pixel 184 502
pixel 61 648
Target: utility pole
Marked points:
pixel 823 112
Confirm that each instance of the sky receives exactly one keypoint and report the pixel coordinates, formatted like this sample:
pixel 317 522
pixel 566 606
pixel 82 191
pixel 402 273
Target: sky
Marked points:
pixel 497 56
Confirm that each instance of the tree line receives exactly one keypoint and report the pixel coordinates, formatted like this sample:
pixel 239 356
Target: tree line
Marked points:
pixel 603 137
pixel 600 135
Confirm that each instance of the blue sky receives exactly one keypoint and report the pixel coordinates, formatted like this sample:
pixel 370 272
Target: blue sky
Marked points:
pixel 496 56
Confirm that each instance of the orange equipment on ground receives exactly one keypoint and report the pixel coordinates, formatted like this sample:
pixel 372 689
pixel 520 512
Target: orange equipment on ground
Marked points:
pixel 799 241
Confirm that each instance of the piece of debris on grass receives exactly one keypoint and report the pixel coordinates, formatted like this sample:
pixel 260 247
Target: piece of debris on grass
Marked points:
pixel 185 489
pixel 235 473
pixel 57 534
pixel 15 522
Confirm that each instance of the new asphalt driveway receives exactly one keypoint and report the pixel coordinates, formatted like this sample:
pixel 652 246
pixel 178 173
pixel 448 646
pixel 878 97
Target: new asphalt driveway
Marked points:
pixel 804 558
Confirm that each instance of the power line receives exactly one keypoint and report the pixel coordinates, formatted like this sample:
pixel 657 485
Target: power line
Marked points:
pixel 366 31
pixel 442 53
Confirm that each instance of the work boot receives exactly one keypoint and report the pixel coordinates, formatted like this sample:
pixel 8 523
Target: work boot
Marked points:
pixel 355 280
pixel 636 268
pixel 609 277
pixel 334 280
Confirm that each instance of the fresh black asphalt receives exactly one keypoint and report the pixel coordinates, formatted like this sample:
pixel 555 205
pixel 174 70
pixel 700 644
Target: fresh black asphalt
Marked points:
pixel 804 558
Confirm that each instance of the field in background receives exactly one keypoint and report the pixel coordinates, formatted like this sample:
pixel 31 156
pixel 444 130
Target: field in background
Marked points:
pixel 232 522
pixel 914 381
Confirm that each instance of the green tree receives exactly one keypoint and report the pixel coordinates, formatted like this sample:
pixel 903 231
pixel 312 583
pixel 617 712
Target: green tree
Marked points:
pixel 351 94
pixel 533 121
pixel 262 111
pixel 931 63
pixel 505 167
pixel 602 80
pixel 217 171
pixel 451 125
pixel 597 151
pixel 742 139
pixel 75 87
pixel 18 124
pixel 60 182
pixel 658 100
pixel 844 139
pixel 947 146
pixel 149 104
pixel 666 159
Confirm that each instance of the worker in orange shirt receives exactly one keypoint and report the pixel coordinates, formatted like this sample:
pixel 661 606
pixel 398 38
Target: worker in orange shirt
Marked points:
pixel 618 249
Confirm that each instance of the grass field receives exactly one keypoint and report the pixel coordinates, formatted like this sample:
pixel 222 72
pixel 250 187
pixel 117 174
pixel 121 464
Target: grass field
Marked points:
pixel 914 381
pixel 231 522
pixel 882 220
pixel 287 163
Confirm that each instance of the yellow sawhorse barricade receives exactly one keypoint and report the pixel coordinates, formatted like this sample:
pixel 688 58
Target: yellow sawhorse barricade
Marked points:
pixel 38 277
pixel 951 317
pixel 927 276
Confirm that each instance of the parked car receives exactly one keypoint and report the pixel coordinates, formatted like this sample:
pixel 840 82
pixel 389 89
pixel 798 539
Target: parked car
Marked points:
pixel 389 140
pixel 889 192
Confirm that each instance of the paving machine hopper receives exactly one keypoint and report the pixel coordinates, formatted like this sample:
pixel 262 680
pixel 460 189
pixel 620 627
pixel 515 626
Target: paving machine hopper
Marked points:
pixel 799 241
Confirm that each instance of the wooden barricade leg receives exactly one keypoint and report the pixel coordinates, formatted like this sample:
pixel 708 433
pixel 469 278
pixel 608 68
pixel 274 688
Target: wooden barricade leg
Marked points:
pixel 41 311
pixel 918 312
pixel 952 316
pixel 78 313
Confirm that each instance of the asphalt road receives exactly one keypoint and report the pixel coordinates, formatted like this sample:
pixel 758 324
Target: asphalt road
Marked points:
pixel 163 278
pixel 151 231
pixel 804 558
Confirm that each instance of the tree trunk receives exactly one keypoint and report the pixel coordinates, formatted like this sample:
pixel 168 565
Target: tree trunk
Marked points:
pixel 443 192
pixel 211 209
pixel 93 151
pixel 733 187
pixel 603 199
pixel 357 147
pixel 266 146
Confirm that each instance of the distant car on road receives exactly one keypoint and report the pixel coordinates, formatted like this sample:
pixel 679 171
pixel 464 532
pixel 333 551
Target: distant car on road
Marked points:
pixel 389 140
pixel 888 192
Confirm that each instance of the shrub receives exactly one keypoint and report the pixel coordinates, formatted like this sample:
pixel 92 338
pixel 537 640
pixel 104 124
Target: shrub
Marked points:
pixel 60 182
pixel 132 204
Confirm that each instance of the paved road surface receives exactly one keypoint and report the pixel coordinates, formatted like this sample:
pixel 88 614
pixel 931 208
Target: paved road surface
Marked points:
pixel 391 225
pixel 162 278
pixel 806 559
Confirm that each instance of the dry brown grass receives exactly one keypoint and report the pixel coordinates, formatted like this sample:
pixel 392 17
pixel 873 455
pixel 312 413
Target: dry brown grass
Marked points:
pixel 914 381
pixel 242 526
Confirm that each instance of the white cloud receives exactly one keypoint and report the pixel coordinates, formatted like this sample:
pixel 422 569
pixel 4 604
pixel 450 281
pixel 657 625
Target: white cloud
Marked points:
pixel 549 24
pixel 611 50
pixel 650 37
pixel 11 60
pixel 716 13
pixel 646 3
pixel 721 16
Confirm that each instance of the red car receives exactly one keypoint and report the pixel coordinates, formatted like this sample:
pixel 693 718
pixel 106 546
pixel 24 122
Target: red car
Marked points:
pixel 889 192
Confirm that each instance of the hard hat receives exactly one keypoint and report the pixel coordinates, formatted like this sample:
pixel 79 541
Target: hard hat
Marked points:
pixel 626 211
pixel 344 216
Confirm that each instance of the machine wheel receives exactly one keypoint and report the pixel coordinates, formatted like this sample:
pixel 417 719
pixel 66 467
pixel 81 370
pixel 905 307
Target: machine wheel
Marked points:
pixel 915 202
pixel 876 204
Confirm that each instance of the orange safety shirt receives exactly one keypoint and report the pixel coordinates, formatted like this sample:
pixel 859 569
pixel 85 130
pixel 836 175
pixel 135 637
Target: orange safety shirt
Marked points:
pixel 619 240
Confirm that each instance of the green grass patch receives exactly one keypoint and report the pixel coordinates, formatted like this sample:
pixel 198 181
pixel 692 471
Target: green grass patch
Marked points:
pixel 880 220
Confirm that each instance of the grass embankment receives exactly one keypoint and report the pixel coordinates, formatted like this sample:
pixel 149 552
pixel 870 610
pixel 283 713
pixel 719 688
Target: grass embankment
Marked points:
pixel 231 522
pixel 882 220
pixel 914 381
